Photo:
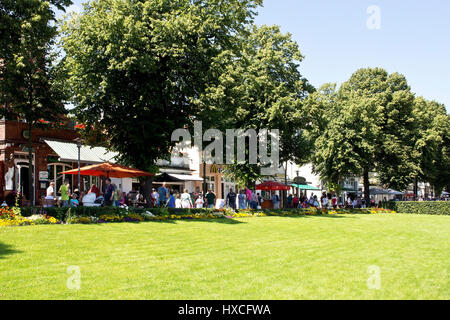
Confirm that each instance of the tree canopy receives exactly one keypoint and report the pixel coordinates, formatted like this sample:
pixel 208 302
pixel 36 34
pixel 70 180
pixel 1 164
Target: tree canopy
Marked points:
pixel 367 125
pixel 27 77
pixel 259 87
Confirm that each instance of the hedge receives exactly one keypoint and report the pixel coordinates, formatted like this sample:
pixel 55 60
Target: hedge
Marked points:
pixel 420 207
pixel 62 213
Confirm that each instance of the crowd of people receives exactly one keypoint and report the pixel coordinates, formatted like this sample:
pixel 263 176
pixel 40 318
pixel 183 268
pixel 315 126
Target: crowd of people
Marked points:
pixel 110 196
pixel 162 196
pixel 327 201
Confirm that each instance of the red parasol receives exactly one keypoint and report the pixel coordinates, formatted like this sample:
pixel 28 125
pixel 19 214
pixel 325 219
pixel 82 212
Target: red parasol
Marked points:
pixel 272 186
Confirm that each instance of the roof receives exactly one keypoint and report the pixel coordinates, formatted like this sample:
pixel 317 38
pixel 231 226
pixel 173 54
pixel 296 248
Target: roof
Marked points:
pixel 68 151
pixel 185 177
pixel 305 187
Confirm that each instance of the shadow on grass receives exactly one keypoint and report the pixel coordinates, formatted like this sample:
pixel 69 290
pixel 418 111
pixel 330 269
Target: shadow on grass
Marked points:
pixel 221 221
pixel 320 216
pixel 7 249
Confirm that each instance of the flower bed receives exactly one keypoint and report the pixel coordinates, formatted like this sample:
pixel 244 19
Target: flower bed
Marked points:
pixel 13 217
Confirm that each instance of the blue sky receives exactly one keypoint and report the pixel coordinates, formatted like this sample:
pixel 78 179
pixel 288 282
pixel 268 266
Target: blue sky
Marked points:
pixel 413 39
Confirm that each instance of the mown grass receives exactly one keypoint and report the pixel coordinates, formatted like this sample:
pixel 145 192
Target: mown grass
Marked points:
pixel 308 257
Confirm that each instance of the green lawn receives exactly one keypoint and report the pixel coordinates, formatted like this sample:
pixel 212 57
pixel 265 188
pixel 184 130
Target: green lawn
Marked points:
pixel 258 258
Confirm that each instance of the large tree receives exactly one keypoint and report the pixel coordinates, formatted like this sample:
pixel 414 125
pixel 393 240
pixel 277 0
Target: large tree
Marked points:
pixel 259 87
pixel 135 67
pixel 27 91
pixel 432 143
pixel 370 127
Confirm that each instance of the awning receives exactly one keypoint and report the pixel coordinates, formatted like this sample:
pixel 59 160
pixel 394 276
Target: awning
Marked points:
pixel 68 151
pixel 172 177
pixel 305 187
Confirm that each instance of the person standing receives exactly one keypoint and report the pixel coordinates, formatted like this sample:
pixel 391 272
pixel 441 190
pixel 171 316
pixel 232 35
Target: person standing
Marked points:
pixel 249 197
pixel 231 199
pixel 289 201
pixel 211 199
pixel 334 201
pixel 276 201
pixel 116 196
pixel 186 201
pixel 162 195
pixel 65 193
pixel 155 198
pixel 50 195
pixel 254 201
pixel 172 201
pixel 324 201
pixel 259 199
pixel 295 201
pixel 109 193
pixel 74 201
pixel 178 204
pixel 199 202
pixel 242 199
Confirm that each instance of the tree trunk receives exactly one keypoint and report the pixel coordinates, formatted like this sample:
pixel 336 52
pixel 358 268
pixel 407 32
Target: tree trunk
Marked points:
pixel 148 191
pixel 366 187
pixel 416 189
pixel 30 165
pixel 285 182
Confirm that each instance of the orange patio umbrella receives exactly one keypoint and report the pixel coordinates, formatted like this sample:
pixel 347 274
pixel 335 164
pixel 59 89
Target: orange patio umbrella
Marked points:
pixel 110 170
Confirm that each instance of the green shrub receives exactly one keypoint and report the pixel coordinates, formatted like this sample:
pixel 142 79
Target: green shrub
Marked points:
pixel 420 207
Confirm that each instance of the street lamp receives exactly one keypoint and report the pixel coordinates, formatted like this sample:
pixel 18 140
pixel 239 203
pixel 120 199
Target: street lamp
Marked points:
pixel 79 163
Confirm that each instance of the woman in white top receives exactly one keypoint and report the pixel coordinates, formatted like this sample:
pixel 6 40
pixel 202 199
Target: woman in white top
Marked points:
pixel 186 200
pixel 178 201
pixel 50 195
pixel 199 202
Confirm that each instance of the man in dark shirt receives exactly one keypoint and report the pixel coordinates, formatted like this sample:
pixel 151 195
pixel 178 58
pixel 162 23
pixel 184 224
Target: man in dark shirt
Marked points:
pixel 109 192
pixel 231 199
pixel 211 199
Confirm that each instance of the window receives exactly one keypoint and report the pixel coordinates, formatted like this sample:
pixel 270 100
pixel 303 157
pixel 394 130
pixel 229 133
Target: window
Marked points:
pixel 211 183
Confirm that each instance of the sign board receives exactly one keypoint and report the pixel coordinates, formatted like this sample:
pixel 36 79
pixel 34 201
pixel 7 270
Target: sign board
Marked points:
pixel 43 175
pixel 216 169
pixel 26 148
